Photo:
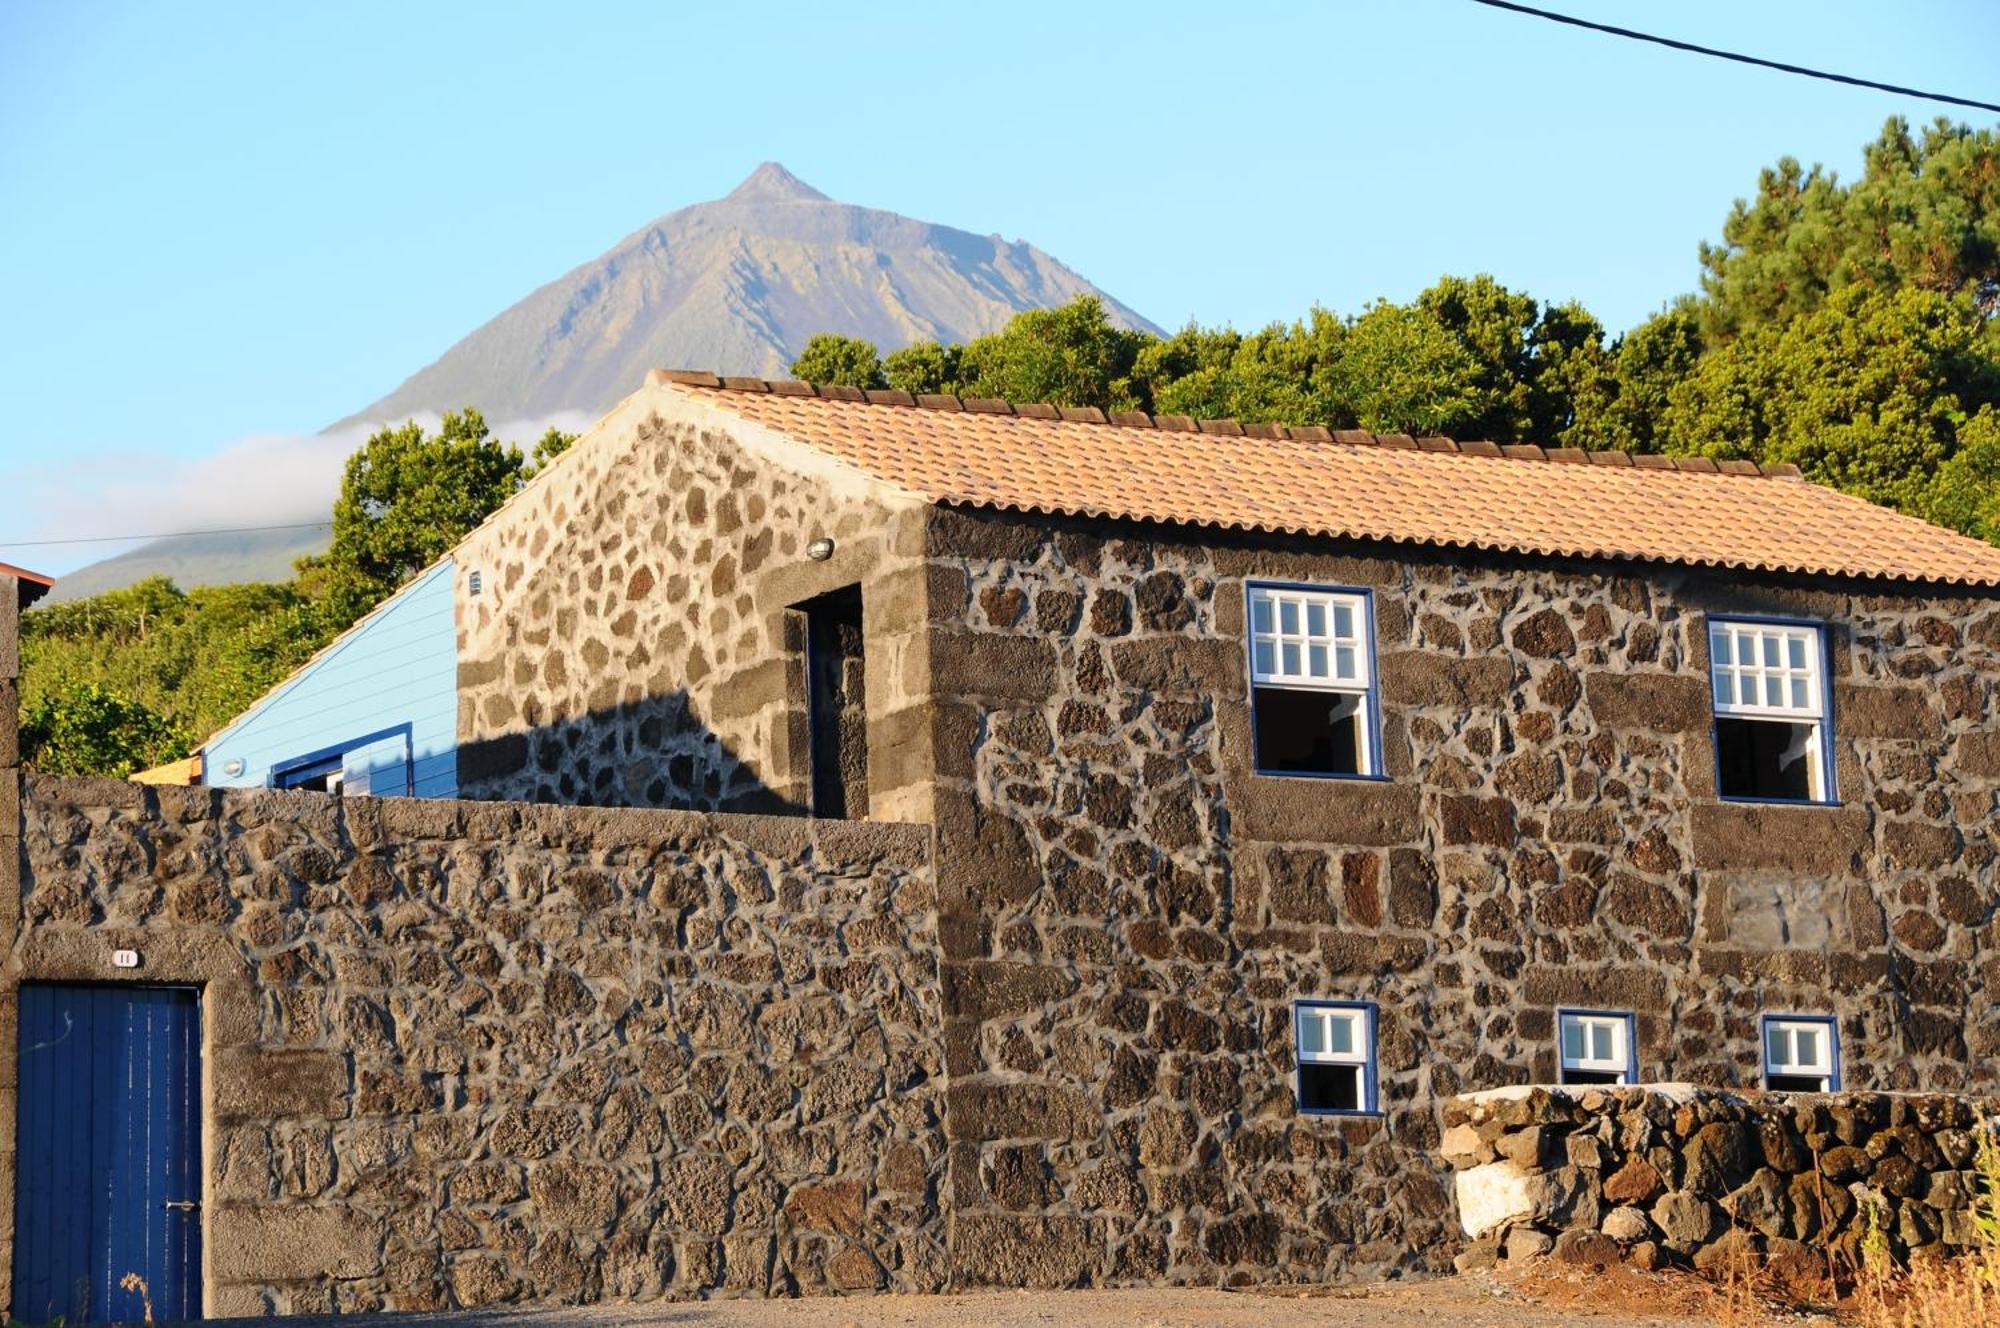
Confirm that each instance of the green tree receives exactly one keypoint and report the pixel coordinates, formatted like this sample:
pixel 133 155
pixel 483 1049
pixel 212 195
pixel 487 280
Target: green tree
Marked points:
pixel 1867 393
pixel 1403 371
pixel 1287 373
pixel 1626 412
pixel 552 444
pixel 88 730
pixel 405 499
pixel 846 361
pixel 1071 356
pixel 926 366
pixel 1965 493
pixel 1924 214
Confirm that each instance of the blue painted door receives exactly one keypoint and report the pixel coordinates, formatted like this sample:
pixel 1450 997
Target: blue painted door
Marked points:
pixel 108 1172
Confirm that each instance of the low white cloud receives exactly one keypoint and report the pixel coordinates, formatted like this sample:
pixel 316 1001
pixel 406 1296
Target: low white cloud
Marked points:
pixel 264 479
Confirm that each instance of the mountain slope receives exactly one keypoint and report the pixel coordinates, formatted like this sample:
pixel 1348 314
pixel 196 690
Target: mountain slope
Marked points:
pixel 737 285
pixel 196 560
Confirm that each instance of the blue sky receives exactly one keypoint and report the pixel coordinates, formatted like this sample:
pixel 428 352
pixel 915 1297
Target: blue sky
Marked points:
pixel 239 222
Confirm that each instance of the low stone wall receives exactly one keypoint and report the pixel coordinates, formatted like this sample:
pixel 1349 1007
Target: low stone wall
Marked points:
pixel 461 1053
pixel 1673 1173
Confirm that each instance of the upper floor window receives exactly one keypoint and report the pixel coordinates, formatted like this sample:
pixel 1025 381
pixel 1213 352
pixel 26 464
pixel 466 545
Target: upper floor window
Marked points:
pixel 1335 1045
pixel 1801 1054
pixel 1596 1047
pixel 1312 681
pixel 1771 738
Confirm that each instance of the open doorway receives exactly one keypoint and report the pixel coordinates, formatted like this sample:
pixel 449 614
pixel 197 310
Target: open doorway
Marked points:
pixel 837 704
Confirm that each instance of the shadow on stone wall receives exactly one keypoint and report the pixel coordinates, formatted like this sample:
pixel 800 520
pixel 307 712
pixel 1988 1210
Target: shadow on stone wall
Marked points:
pixel 655 752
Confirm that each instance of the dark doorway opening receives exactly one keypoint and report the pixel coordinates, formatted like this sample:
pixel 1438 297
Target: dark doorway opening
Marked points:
pixel 837 704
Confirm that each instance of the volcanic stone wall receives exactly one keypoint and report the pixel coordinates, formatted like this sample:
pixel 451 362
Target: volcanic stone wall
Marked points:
pixel 1677 1174
pixel 461 1053
pixel 632 642
pixel 1129 911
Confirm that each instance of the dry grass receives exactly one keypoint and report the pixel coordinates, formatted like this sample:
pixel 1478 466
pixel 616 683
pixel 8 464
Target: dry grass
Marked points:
pixel 1957 1292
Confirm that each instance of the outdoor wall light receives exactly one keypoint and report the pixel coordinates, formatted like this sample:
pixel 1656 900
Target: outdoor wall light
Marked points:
pixel 820 549
pixel 233 766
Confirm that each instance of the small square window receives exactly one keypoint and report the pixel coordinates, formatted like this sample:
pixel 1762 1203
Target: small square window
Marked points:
pixel 1335 1046
pixel 1770 710
pixel 1311 679
pixel 1596 1047
pixel 1801 1054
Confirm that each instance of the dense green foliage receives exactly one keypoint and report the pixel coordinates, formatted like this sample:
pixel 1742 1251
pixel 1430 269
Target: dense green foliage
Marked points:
pixel 1853 330
pixel 87 730
pixel 1924 214
pixel 140 676
pixel 195 658
pixel 847 361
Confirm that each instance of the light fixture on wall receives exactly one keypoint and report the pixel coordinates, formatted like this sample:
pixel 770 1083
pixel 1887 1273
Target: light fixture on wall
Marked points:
pixel 820 549
pixel 233 766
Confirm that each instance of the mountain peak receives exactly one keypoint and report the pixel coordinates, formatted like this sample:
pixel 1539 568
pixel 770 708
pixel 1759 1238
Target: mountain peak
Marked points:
pixel 772 182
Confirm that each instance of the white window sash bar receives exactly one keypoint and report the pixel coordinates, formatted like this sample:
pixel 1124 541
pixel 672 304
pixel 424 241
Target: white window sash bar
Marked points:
pixel 1282 620
pixel 1784 1058
pixel 1325 1015
pixel 1741 665
pixel 1620 1059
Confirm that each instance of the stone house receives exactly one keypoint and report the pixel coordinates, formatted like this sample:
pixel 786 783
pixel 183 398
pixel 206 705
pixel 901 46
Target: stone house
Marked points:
pixel 1279 783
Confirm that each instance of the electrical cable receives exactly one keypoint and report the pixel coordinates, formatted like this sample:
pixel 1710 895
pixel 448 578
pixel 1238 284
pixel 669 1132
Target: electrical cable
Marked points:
pixel 165 534
pixel 1738 57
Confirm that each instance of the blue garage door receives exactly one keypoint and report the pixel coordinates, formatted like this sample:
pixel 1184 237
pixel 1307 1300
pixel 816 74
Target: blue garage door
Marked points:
pixel 108 1177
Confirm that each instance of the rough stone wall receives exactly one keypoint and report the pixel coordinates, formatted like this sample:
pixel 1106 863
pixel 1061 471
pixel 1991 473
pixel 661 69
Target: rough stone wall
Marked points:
pixel 1685 1175
pixel 1129 911
pixel 631 644
pixel 460 1053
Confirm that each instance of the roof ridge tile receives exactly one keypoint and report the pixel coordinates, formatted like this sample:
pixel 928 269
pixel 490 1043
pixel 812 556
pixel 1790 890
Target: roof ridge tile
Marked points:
pixel 1270 430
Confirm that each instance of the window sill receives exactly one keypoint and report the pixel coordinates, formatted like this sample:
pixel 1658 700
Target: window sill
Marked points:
pixel 1737 800
pixel 1309 774
pixel 1331 1113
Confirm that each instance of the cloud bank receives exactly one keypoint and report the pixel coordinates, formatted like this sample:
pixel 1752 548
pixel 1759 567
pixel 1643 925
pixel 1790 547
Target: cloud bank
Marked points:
pixel 262 479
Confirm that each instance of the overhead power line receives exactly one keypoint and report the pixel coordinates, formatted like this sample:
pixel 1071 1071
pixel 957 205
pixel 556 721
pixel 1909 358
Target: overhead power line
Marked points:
pixel 1737 56
pixel 165 534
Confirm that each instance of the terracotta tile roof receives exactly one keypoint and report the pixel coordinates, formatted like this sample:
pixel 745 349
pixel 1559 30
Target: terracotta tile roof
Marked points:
pixel 1354 485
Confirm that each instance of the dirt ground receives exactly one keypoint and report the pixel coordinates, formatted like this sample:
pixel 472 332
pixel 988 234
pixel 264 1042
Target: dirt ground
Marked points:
pixel 1614 1299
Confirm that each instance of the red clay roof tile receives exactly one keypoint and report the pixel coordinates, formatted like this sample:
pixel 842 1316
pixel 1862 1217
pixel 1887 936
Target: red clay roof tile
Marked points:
pixel 1393 488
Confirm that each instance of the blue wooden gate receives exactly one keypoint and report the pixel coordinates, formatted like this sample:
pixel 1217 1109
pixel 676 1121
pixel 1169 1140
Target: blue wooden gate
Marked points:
pixel 108 1172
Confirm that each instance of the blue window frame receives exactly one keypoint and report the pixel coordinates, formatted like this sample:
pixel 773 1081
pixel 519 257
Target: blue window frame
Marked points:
pixel 1315 703
pixel 325 770
pixel 1800 1053
pixel 1597 1046
pixel 1772 705
pixel 1333 1051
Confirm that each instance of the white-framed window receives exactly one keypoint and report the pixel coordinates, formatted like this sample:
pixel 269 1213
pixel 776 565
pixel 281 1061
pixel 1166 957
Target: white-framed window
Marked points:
pixel 1801 1053
pixel 1312 680
pixel 1769 685
pixel 1596 1047
pixel 1334 1042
